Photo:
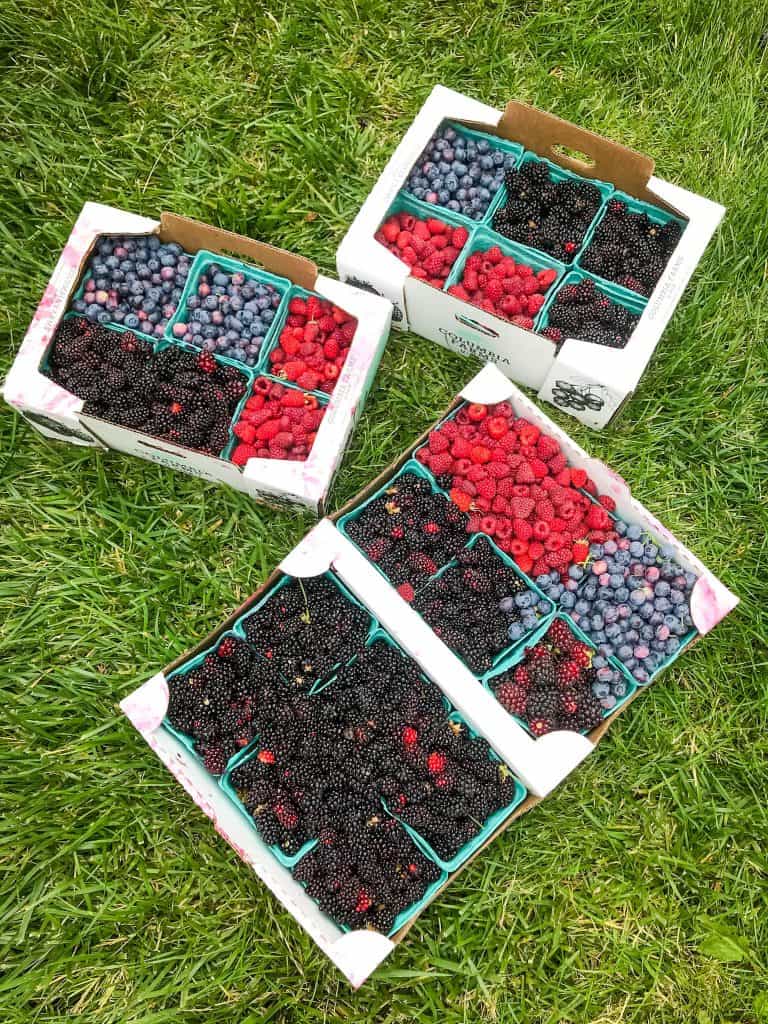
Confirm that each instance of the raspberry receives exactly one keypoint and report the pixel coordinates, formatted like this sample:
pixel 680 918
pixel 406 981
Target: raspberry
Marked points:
pixel 441 462
pixel 521 528
pixel 242 453
pixel 607 502
pixel 578 477
pixel 461 499
pixel 521 508
pixel 459 237
pixel 438 442
pixel 477 412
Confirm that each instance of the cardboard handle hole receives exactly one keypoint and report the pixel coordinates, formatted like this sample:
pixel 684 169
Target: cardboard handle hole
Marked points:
pixel 576 156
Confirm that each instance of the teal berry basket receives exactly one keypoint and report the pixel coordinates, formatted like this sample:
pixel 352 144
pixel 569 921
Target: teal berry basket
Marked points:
pixel 613 292
pixel 322 399
pixel 558 174
pixel 484 239
pixel 239 626
pixel 488 828
pixel 263 367
pixel 685 640
pixel 410 912
pixel 204 259
pixel 182 670
pixel 544 617
pixel 502 145
pixel 225 783
pixel 654 213
pixel 80 291
pixel 410 467
pixel 514 659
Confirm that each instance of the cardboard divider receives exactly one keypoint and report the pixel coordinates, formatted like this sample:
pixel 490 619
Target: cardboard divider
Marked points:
pixel 538 764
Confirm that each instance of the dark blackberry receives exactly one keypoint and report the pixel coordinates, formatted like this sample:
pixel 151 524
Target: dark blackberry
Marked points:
pixel 630 248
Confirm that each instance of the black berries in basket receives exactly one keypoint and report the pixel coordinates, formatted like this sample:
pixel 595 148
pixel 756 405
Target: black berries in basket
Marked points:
pixel 479 606
pixel 306 629
pixel 176 396
pixel 549 215
pixel 410 532
pixel 583 311
pixel 630 248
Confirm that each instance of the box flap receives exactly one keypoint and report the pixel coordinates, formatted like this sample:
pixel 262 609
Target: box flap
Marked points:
pixel 547 135
pixel 193 235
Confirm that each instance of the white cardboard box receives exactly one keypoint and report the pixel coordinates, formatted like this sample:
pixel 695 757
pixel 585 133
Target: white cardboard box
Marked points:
pixel 590 381
pixel 58 414
pixel 541 764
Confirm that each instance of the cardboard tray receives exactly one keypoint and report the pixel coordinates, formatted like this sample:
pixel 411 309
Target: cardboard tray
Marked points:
pixel 589 381
pixel 540 764
pixel 58 414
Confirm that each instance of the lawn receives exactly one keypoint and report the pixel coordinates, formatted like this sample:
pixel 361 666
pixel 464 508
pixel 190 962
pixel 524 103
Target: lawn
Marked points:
pixel 637 892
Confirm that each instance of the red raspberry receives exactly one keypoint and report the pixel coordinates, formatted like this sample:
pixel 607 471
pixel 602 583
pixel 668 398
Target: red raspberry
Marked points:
pixel 556 463
pixel 441 462
pixel 578 477
pixel 607 502
pixel 434 264
pixel 242 453
pixel 547 447
pixel 245 432
pixel 480 454
pixel 460 498
pixel 477 412
pixel 521 508
pixel 494 291
pixel 521 528
pixel 486 488
pixel 459 237
pixel 545 510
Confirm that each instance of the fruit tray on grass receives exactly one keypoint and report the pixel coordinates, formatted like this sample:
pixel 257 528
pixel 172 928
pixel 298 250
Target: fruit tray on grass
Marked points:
pixel 338 742
pixel 480 213
pixel 153 339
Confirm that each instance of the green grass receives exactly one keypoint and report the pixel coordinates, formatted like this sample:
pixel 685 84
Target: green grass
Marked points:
pixel 638 891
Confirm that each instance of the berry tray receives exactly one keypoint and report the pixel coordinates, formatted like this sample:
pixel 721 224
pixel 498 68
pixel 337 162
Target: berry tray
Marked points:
pixel 577 375
pixel 614 293
pixel 489 828
pixel 273 473
pixel 539 752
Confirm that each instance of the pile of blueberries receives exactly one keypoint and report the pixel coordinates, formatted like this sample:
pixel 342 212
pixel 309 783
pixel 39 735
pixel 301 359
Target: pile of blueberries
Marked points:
pixel 459 172
pixel 136 282
pixel 632 599
pixel 228 314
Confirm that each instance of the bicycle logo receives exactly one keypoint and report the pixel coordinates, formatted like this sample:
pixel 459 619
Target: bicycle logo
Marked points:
pixel 578 397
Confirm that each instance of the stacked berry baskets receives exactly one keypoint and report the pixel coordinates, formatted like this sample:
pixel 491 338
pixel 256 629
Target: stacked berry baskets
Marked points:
pixel 348 762
pixel 525 240
pixel 206 352
pixel 460 636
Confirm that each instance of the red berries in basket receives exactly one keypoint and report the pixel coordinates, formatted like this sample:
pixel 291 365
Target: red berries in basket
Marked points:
pixel 276 423
pixel 429 247
pixel 313 344
pixel 499 285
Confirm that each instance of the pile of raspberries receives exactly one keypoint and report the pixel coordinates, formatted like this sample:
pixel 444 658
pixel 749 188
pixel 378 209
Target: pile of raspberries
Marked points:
pixel 277 422
pixel 186 398
pixel 429 247
pixel 553 686
pixel 630 249
pixel 583 311
pixel 410 532
pixel 313 344
pixel 480 606
pixel 499 285
pixel 516 485
pixel 549 215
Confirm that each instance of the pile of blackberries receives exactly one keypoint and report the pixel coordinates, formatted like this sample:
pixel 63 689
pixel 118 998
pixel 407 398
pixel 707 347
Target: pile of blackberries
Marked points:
pixel 583 311
pixel 555 684
pixel 134 281
pixel 173 395
pixel 228 313
pixel 459 172
pixel 630 248
pixel 365 878
pixel 410 532
pixel 480 606
pixel 307 628
pixel 456 787
pixel 220 703
pixel 549 215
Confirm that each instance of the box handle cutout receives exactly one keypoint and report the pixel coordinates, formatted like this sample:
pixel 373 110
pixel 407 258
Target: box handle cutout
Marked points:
pixel 569 146
pixel 467 321
pixel 165 451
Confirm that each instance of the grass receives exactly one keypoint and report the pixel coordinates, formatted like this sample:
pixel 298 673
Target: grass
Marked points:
pixel 638 891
